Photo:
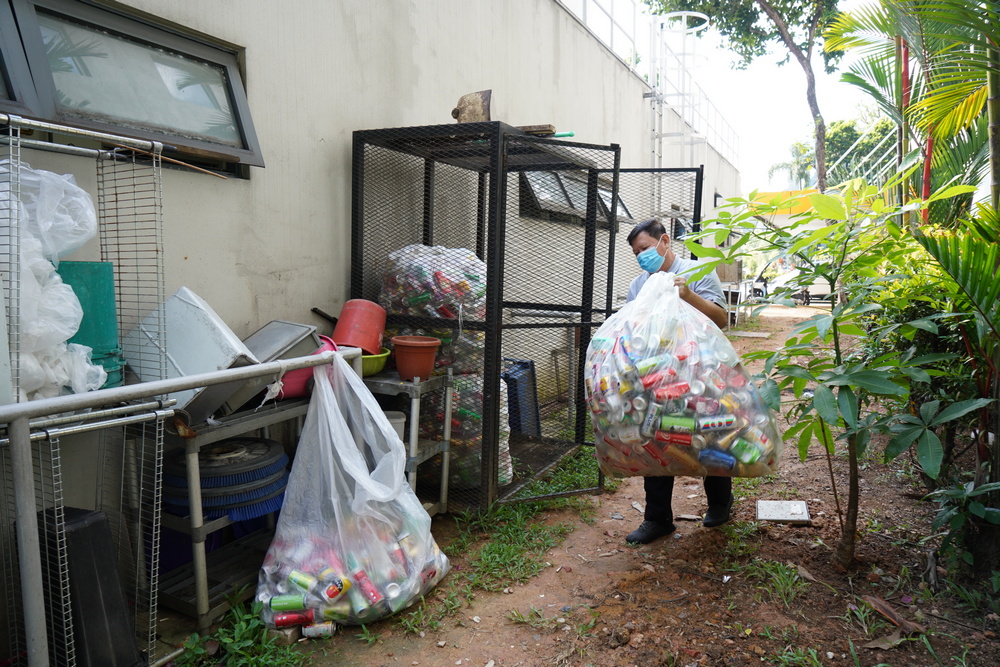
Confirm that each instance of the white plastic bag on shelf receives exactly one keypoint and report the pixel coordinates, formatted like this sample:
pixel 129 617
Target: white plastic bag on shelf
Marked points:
pixel 50 314
pixel 56 369
pixel 353 543
pixel 56 210
pixel 50 310
pixel 669 396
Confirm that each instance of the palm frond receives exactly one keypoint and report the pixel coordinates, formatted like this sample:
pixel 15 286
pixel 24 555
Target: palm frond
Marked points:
pixel 952 105
pixel 973 264
pixel 876 76
pixel 866 29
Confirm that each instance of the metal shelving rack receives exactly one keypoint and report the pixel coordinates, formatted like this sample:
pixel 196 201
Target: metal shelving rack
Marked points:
pixel 129 209
pixel 421 450
pixel 203 590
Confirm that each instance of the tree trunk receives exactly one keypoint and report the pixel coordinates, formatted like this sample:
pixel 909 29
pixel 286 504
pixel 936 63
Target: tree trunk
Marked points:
pixel 843 555
pixel 805 61
pixel 993 108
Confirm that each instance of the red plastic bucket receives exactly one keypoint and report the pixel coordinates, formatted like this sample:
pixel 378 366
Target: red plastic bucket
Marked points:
pixel 361 324
pixel 415 356
pixel 295 384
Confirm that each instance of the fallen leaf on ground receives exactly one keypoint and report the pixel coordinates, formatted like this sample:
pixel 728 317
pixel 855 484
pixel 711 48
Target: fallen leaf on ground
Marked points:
pixel 887 642
pixel 882 607
pixel 804 573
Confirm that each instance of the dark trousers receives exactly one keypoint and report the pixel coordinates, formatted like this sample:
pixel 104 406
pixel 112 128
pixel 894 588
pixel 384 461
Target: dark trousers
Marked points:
pixel 660 491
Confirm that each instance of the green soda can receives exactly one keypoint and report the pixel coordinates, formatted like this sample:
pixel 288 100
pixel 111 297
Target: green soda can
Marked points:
pixel 677 424
pixel 287 602
pixel 746 451
pixel 305 581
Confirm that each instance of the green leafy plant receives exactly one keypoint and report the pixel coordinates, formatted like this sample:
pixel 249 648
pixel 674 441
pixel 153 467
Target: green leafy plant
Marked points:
pixel 957 505
pixel 852 241
pixel 243 640
pixel 920 429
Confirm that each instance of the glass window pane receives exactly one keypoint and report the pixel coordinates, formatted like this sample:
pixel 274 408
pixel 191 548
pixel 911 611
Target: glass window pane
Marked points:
pixel 577 193
pixel 3 85
pixel 546 187
pixel 108 78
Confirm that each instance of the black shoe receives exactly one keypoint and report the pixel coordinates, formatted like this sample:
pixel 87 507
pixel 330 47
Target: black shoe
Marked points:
pixel 717 516
pixel 649 531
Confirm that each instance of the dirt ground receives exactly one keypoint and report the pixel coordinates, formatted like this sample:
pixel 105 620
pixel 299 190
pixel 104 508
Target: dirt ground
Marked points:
pixel 676 602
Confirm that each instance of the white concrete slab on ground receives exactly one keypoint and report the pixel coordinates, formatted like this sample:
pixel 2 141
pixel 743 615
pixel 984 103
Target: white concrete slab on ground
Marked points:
pixel 783 511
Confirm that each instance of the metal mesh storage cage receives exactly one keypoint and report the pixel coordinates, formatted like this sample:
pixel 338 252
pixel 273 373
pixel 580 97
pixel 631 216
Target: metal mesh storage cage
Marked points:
pixel 500 244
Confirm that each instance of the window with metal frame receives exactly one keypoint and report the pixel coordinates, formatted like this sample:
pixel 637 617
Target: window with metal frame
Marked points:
pixel 98 68
pixel 562 197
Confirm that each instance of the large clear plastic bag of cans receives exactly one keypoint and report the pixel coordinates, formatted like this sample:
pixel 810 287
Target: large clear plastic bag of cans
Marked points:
pixel 352 543
pixel 434 281
pixel 668 395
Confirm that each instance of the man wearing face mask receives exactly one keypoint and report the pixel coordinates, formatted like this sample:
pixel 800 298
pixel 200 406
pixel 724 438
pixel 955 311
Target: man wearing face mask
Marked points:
pixel 651 245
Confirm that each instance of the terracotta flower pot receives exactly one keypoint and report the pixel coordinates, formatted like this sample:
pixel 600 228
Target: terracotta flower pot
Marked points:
pixel 415 356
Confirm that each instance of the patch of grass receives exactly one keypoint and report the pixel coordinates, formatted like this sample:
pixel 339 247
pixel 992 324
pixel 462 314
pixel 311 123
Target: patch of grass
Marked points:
pixel 429 614
pixel 574 472
pixel 861 616
pixel 512 547
pixel 534 618
pixel 514 554
pixel 243 640
pixel 976 601
pixel 368 637
pixel 752 323
pixel 797 657
pixel 781 582
pixel 746 487
pixel 740 538
pixel 789 633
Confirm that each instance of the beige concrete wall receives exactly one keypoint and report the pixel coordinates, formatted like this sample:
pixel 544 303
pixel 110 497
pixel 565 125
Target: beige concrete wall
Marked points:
pixel 277 244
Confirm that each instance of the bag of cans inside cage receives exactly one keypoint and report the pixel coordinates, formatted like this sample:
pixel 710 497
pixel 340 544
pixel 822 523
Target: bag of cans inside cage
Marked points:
pixel 668 395
pixel 353 543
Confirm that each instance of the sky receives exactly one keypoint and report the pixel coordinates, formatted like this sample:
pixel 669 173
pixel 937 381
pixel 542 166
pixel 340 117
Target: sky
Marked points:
pixel 766 104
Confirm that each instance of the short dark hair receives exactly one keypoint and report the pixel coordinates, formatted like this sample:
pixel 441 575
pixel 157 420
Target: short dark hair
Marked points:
pixel 652 226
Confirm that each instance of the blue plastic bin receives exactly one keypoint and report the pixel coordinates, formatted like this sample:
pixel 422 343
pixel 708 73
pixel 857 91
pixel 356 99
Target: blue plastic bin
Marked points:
pixel 522 396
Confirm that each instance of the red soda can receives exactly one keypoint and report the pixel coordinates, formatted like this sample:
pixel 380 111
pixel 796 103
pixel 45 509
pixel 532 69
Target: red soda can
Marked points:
pixel 428 574
pixel 675 438
pixel 653 379
pixel 655 453
pixel 366 586
pixel 287 619
pixel 671 391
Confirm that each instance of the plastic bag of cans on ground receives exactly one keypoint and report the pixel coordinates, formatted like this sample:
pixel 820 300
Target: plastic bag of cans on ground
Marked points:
pixel 352 543
pixel 668 395
pixel 314 581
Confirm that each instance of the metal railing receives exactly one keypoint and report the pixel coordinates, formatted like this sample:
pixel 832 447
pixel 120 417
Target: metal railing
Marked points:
pixel 18 418
pixel 647 45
